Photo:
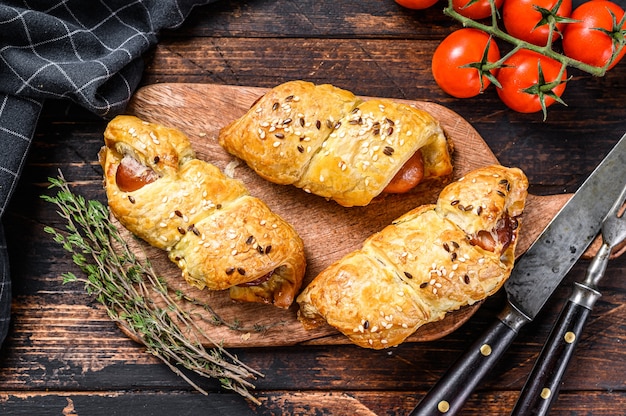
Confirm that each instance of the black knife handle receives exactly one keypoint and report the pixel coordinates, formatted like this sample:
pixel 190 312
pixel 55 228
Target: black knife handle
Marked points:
pixel 450 393
pixel 543 384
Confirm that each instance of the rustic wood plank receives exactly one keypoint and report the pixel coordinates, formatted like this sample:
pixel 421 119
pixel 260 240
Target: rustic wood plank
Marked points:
pixel 357 403
pixel 52 355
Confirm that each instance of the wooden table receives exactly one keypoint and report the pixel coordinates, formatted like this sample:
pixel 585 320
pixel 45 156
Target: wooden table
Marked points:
pixel 63 354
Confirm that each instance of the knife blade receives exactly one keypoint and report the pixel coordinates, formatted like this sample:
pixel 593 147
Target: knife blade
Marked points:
pixel 533 279
pixel 543 383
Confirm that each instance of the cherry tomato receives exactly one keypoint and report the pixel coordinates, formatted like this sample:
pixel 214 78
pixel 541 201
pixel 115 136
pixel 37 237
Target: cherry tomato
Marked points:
pixel 475 9
pixel 523 21
pixel 463 47
pixel 583 41
pixel 416 4
pixel 520 72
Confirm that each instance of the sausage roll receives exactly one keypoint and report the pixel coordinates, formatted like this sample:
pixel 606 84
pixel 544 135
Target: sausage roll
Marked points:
pixel 219 235
pixel 432 260
pixel 327 141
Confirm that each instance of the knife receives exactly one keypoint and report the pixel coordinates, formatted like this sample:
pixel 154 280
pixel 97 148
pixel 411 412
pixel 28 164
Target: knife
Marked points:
pixel 543 383
pixel 533 279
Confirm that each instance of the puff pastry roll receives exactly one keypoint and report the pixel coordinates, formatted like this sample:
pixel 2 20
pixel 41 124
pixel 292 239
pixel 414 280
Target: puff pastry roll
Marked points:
pixel 432 260
pixel 219 235
pixel 327 141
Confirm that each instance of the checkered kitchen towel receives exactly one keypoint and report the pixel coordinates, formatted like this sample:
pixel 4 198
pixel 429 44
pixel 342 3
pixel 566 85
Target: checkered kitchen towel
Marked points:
pixel 87 51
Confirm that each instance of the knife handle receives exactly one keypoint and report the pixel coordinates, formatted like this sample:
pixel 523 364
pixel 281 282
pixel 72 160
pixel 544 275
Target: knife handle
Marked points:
pixel 450 393
pixel 543 384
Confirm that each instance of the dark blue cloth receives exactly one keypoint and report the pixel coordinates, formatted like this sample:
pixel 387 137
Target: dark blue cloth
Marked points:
pixel 86 51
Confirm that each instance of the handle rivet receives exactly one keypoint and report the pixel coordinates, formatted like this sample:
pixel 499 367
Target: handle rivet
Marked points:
pixel 545 393
pixel 485 350
pixel 569 337
pixel 443 406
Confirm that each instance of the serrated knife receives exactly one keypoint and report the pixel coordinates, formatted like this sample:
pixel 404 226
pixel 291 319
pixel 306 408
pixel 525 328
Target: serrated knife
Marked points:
pixel 535 276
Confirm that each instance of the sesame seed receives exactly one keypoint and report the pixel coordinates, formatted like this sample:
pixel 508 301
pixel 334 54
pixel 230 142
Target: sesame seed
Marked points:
pixel 131 199
pixel 230 270
pixel 241 271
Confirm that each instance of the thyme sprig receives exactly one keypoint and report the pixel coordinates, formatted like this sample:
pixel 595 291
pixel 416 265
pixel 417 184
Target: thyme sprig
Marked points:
pixel 127 286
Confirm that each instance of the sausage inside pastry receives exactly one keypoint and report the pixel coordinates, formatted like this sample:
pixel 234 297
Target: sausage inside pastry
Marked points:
pixel 432 260
pixel 328 142
pixel 219 235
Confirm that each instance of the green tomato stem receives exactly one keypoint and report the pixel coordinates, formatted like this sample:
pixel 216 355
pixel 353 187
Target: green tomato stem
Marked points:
pixel 494 30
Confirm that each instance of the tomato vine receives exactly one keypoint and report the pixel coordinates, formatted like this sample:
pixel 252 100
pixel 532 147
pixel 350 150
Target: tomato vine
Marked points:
pixel 493 28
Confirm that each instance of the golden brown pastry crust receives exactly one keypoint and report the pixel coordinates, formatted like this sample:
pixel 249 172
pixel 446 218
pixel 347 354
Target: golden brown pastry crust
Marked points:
pixel 426 263
pixel 211 228
pixel 327 141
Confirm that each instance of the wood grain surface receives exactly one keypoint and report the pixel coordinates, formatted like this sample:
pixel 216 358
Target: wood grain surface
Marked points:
pixel 64 356
pixel 329 231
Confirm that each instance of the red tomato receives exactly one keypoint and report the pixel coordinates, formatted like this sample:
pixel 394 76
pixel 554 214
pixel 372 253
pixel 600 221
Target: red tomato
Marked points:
pixel 523 21
pixel 584 42
pixel 463 47
pixel 475 9
pixel 520 72
pixel 416 4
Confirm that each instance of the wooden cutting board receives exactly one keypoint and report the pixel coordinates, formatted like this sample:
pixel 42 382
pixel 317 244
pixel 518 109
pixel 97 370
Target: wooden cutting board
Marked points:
pixel 328 230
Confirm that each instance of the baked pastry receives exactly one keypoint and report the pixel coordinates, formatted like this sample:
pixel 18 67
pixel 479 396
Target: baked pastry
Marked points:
pixel 327 141
pixel 219 235
pixel 432 260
